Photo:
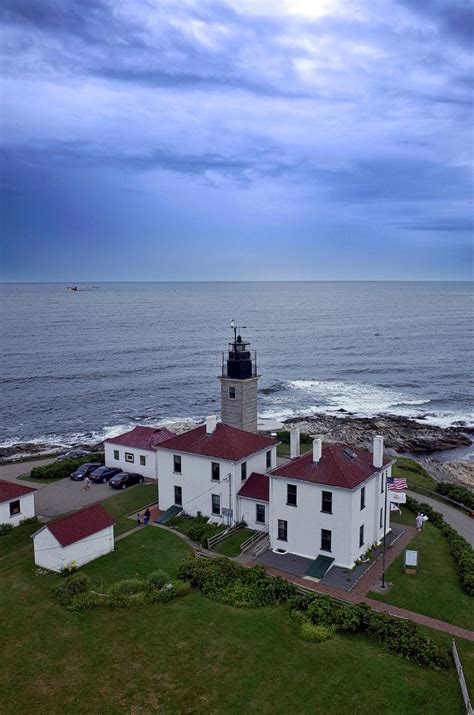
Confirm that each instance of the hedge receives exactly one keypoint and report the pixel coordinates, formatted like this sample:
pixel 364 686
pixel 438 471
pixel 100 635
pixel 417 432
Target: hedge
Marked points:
pixel 461 550
pixel 456 493
pixel 64 467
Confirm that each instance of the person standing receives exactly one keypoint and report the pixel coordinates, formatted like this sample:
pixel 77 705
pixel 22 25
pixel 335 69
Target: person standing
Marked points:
pixel 87 484
pixel 147 516
pixel 138 519
pixel 419 522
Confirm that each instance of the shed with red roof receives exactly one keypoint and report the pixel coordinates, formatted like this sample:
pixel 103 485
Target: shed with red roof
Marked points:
pixel 17 502
pixel 74 540
pixel 135 451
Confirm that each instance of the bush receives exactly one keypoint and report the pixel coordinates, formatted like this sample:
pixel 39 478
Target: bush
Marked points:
pixel 5 529
pixel 228 582
pixel 321 610
pixel 72 586
pixel 157 579
pixel 62 469
pixel 316 634
pixel 84 601
pixel 30 520
pixel 461 550
pixel 129 587
pixel 456 493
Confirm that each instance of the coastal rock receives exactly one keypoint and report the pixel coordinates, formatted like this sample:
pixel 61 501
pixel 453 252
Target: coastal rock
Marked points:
pixel 401 434
pixel 454 471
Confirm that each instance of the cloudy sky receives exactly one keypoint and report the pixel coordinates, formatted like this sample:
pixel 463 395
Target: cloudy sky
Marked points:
pixel 248 139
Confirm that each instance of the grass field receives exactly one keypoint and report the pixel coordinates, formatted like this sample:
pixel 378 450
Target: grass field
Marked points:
pixel 414 473
pixel 436 590
pixel 189 656
pixel 231 545
pixel 129 502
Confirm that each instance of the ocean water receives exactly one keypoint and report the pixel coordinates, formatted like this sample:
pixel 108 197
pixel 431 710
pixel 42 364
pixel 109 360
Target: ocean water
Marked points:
pixel 88 364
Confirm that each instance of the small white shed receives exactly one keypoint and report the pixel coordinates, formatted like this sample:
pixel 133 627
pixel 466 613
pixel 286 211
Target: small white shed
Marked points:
pixel 17 502
pixel 75 539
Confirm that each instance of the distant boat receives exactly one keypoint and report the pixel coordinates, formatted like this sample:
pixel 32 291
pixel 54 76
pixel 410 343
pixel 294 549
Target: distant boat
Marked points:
pixel 72 287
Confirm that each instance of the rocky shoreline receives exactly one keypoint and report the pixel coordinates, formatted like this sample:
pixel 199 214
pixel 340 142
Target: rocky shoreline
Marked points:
pixel 403 436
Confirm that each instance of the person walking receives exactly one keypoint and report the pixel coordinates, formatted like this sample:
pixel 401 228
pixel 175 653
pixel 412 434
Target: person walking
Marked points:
pixel 147 516
pixel 419 522
pixel 87 484
pixel 138 519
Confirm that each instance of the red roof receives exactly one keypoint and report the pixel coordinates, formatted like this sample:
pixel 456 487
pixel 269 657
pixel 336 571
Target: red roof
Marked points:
pixel 142 437
pixel 224 443
pixel 12 490
pixel 256 487
pixel 83 523
pixel 337 467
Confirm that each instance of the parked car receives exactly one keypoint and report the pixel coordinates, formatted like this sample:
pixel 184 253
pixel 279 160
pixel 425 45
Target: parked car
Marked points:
pixel 103 474
pixel 122 480
pixel 84 470
pixel 72 454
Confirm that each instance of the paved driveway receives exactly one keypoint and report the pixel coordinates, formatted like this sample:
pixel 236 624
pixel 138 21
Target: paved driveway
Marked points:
pixel 459 520
pixel 60 497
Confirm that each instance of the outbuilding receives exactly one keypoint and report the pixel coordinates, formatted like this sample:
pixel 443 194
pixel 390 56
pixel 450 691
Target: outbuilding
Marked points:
pixel 135 451
pixel 17 502
pixel 75 539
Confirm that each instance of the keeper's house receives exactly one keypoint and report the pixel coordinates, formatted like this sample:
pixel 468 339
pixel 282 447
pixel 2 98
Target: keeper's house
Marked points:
pixel 203 470
pixel 330 502
pixel 135 451
pixel 75 539
pixel 17 502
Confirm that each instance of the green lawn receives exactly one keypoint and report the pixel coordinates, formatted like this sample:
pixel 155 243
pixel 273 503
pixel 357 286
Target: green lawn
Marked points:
pixel 231 545
pixel 436 590
pixel 184 524
pixel 191 655
pixel 414 473
pixel 129 502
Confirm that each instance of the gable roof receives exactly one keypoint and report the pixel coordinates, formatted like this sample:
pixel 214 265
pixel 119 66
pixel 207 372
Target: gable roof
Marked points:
pixel 12 490
pixel 81 524
pixel 335 468
pixel 142 437
pixel 225 442
pixel 257 486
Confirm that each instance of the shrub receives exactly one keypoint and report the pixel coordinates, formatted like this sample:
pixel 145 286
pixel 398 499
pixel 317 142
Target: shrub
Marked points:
pixel 72 586
pixel 321 610
pixel 352 618
pixel 30 520
pixel 316 634
pixel 157 579
pixel 84 601
pixel 456 493
pixel 62 469
pixel 5 529
pixel 129 586
pixel 461 550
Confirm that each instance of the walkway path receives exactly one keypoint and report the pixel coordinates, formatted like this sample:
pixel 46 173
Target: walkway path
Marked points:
pixel 462 522
pixel 352 597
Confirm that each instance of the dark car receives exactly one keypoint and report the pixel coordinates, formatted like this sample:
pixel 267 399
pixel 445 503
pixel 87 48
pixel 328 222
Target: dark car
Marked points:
pixel 103 474
pixel 122 480
pixel 72 454
pixel 84 470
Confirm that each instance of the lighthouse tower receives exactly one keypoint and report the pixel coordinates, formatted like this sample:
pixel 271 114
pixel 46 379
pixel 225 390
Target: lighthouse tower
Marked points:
pixel 239 384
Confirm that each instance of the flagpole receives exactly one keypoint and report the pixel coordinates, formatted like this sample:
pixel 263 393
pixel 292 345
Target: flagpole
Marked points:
pixel 384 533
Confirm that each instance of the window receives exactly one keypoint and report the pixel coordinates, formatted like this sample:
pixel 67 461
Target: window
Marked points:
pixel 381 518
pixel 326 502
pixel 129 457
pixel 362 498
pixel 326 537
pixel 291 494
pixel 215 471
pixel 178 496
pixel 14 507
pixel 382 481
pixel 269 460
pixel 260 517
pixel 216 504
pixel 243 471
pixel 142 460
pixel 361 536
pixel 232 393
pixel 177 463
pixel 282 530
pixel 116 454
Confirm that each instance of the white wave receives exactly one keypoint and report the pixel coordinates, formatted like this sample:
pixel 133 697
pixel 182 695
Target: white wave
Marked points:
pixel 355 396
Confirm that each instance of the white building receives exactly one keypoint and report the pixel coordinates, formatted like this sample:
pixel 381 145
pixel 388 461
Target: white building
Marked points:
pixel 203 470
pixel 17 502
pixel 135 451
pixel 75 539
pixel 329 502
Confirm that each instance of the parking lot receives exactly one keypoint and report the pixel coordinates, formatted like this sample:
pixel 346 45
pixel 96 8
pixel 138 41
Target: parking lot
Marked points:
pixel 60 497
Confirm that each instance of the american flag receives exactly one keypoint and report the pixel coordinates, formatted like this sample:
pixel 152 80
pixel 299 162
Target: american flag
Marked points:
pixel 396 485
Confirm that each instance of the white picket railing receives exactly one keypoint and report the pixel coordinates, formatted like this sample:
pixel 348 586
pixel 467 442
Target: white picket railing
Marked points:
pixel 462 680
pixel 244 546
pixel 223 535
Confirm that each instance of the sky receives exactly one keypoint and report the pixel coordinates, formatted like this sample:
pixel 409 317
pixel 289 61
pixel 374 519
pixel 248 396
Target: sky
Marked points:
pixel 238 140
